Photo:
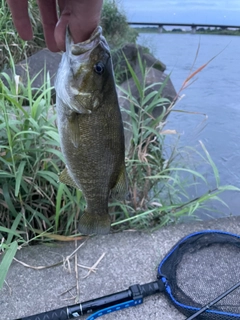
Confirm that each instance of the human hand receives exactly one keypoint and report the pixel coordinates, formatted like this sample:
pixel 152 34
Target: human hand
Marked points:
pixel 82 17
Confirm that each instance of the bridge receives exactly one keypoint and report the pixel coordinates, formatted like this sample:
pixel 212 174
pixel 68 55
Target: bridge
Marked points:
pixel 194 26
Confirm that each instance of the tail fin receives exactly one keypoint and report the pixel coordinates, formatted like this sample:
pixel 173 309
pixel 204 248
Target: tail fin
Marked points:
pixel 92 223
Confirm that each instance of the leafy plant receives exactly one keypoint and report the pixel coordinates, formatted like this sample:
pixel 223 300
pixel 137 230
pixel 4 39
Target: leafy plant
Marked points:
pixel 31 199
pixel 113 21
pixel 31 160
pixel 34 204
pixel 159 175
pixel 115 25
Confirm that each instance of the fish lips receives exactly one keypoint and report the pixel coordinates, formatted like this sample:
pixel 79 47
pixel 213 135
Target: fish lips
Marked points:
pixel 77 49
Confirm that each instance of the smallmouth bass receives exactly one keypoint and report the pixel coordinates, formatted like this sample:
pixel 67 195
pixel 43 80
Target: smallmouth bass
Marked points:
pixel 91 129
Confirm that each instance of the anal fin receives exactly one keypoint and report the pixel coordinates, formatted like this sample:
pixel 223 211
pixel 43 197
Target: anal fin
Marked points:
pixel 65 178
pixel 120 190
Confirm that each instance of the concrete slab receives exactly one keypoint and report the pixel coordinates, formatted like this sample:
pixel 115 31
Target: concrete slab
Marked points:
pixel 130 258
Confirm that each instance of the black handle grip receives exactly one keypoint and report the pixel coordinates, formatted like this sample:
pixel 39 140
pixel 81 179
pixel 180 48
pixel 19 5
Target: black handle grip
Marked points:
pixel 152 288
pixel 58 314
pixel 135 292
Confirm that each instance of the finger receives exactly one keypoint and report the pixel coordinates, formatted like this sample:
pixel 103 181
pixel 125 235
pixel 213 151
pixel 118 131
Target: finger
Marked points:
pixel 48 13
pixel 60 30
pixel 21 20
pixel 82 16
pixel 85 17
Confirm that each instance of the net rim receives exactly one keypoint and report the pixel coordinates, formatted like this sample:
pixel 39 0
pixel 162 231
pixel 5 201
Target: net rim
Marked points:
pixel 183 307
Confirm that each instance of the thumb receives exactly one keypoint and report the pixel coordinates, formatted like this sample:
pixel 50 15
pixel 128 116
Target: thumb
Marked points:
pixel 60 29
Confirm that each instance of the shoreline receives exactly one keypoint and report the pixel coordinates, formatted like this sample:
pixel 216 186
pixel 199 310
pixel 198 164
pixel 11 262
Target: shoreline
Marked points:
pixel 214 32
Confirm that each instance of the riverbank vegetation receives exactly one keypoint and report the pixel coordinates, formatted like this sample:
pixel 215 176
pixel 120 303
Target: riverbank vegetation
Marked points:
pixel 33 202
pixel 9 39
pixel 34 206
pixel 113 21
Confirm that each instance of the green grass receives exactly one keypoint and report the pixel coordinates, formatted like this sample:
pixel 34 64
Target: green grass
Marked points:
pixel 9 39
pixel 34 207
pixel 113 22
pixel 115 25
pixel 31 199
pixel 32 202
pixel 160 174
pixel 31 160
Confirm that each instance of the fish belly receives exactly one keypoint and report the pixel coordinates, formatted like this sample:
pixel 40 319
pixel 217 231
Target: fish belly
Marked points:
pixel 93 147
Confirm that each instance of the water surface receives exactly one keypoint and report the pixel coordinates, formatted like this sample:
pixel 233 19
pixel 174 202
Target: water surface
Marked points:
pixel 216 93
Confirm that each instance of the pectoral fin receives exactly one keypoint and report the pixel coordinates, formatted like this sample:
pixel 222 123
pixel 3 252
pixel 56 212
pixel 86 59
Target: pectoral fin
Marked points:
pixel 119 191
pixel 65 178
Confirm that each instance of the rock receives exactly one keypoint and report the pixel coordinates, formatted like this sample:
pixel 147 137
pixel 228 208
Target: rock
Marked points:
pixel 131 51
pixel 169 92
pixel 49 61
pixel 153 76
pixel 151 61
pixel 36 64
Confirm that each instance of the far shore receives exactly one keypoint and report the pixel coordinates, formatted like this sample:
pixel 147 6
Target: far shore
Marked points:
pixel 181 31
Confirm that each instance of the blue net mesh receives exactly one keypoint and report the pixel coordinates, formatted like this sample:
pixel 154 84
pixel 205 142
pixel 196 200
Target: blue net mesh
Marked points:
pixel 199 268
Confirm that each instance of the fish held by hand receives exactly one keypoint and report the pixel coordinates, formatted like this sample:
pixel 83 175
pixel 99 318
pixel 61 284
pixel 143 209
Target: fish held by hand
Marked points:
pixel 91 129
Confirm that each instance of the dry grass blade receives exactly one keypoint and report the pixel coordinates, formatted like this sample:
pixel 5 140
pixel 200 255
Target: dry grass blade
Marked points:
pixel 66 291
pixel 69 291
pixel 193 74
pixel 92 269
pixel 58 237
pixel 64 261
pixel 76 265
pixel 38 267
pixel 169 132
pixel 68 258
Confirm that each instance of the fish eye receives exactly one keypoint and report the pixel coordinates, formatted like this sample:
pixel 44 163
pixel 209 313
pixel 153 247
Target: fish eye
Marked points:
pixel 99 68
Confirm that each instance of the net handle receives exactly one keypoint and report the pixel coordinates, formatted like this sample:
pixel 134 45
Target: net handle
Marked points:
pixel 220 297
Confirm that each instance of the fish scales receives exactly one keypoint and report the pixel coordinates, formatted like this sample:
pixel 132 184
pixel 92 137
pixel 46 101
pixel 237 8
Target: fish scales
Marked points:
pixel 91 129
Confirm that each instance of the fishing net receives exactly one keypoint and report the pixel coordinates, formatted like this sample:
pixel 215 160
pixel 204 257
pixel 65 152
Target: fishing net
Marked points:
pixel 200 276
pixel 199 268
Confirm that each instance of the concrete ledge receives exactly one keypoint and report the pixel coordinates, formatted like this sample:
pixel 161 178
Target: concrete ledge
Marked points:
pixel 130 258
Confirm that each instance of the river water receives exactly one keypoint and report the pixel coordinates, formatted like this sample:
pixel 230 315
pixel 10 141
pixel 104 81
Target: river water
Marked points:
pixel 216 93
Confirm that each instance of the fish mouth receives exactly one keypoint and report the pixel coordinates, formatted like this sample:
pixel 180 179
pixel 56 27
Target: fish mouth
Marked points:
pixel 80 48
